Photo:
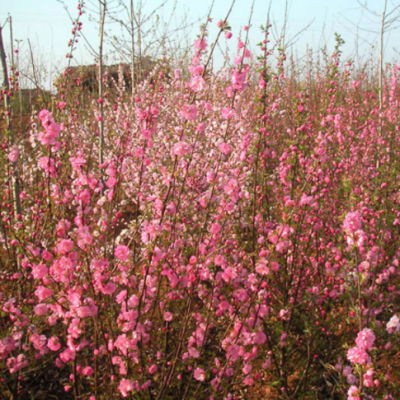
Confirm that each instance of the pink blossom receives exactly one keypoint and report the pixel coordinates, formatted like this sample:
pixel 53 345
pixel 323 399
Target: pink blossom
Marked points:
pixel 365 339
pixel 47 256
pixel 133 301
pixel 64 246
pixel 215 228
pixel 146 134
pixel 177 74
pixel 393 326
pixel 306 200
pixel 260 338
pixel 67 355
pixel 146 385
pixel 7 345
pixel 121 296
pixel 78 161
pixel 52 130
pixel 262 269
pixel 199 374
pixel 13 154
pixel 284 314
pixel 227 113
pixel 224 148
pixel 197 84
pixel 301 108
pixel 126 386
pixel 84 238
pixel 16 364
pixel 168 316
pixel 87 371
pixel 228 35
pixel 122 253
pixel 352 222
pixel 274 266
pixel 181 149
pixel 267 363
pixel 47 164
pixel 44 115
pixel 87 311
pixel 41 309
pixel 228 274
pixel 200 44
pixel 247 369
pixel 193 352
pixel 196 70
pixel 39 271
pixel 111 182
pixel 219 260
pixel 357 238
pixel 238 59
pixel 351 379
pixel 347 370
pixel 47 138
pixel 189 112
pixel 54 344
pixel 196 59
pixel 62 227
pixel 84 196
pixel 248 381
pixel 38 341
pixel 108 288
pixel 369 378
pixel 153 369
pixel 238 80
pixel 59 363
pixel 61 105
pixel 352 393
pixel 281 247
pixel 61 269
pixel 43 293
pixel 358 356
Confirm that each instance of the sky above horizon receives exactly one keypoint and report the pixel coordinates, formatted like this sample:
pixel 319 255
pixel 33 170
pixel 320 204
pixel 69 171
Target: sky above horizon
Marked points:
pixel 48 27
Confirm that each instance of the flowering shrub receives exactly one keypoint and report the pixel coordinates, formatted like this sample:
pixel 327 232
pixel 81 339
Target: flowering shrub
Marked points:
pixel 241 233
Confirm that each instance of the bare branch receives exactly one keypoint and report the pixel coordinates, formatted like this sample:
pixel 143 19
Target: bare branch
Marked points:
pixel 290 42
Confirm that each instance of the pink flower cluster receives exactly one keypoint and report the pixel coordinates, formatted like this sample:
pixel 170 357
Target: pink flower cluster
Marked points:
pixel 51 129
pixel 365 340
pixel 208 242
pixel 393 326
pixel 352 226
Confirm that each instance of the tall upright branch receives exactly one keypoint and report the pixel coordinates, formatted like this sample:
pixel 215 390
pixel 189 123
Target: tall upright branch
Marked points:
pixel 103 9
pixel 133 72
pixel 139 39
pixel 5 86
pixel 34 71
pixel 389 21
pixel 383 17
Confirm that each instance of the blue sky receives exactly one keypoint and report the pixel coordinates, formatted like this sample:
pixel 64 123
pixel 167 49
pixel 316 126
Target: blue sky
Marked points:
pixel 47 25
